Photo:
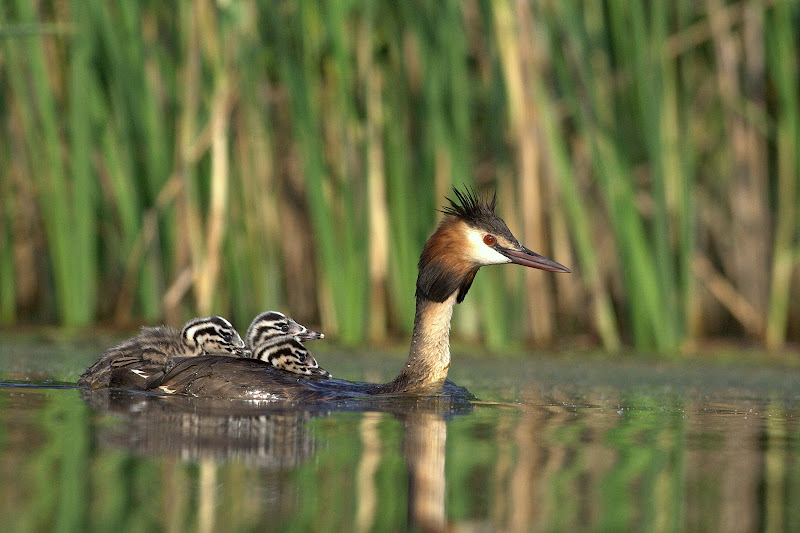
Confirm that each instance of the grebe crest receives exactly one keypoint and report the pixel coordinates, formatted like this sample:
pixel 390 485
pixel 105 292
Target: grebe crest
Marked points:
pixel 278 340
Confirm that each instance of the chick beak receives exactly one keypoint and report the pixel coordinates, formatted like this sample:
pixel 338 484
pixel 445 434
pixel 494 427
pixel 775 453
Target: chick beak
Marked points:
pixel 241 351
pixel 309 335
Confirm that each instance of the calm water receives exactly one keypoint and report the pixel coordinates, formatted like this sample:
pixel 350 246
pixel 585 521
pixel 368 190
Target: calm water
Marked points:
pixel 550 445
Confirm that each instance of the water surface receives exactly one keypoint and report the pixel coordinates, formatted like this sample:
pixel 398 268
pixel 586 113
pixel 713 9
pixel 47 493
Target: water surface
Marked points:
pixel 550 445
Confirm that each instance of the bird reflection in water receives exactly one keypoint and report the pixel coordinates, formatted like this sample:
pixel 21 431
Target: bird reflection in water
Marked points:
pixel 277 437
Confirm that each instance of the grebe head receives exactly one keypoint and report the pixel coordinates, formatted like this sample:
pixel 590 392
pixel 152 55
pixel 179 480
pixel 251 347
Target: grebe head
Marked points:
pixel 289 354
pixel 470 236
pixel 271 324
pixel 278 340
pixel 212 335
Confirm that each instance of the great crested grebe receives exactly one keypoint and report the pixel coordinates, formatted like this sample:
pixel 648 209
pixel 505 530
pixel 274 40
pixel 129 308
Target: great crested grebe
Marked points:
pixel 470 236
pixel 278 340
pixel 141 362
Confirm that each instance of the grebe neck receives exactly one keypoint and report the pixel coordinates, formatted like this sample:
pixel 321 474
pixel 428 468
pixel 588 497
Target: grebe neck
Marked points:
pixel 429 356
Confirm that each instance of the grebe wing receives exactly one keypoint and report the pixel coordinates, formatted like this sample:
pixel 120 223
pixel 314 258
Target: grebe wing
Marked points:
pixel 136 375
pixel 228 377
pixel 251 379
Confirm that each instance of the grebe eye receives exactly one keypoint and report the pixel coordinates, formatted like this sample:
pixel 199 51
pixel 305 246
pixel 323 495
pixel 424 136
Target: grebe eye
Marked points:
pixel 489 239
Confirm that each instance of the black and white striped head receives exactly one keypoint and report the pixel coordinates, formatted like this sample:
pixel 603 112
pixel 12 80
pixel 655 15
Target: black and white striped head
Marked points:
pixel 289 354
pixel 270 324
pixel 212 335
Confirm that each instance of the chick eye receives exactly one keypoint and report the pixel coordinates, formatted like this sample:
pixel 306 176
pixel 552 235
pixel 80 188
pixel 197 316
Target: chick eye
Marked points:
pixel 489 239
pixel 285 328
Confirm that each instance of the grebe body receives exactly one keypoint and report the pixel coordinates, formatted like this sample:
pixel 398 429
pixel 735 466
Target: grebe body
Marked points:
pixel 470 236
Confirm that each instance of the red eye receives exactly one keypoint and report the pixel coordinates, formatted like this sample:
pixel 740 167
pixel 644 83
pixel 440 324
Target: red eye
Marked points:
pixel 489 239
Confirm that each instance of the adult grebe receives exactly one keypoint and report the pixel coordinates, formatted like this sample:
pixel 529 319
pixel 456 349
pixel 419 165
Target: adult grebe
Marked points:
pixel 140 362
pixel 470 236
pixel 278 340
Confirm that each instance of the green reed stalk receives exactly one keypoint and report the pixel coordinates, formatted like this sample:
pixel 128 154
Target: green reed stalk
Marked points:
pixel 8 303
pixel 334 214
pixel 649 267
pixel 118 164
pixel 154 76
pixel 403 202
pixel 647 60
pixel 580 224
pixel 13 64
pixel 410 191
pixel 782 53
pixel 70 250
pixel 348 210
pixel 190 90
pixel 8 213
pixel 135 101
pixel 252 251
pixel 233 277
pixel 352 213
pixel 119 145
pixel 399 176
pixel 609 159
pixel 680 168
pixel 83 183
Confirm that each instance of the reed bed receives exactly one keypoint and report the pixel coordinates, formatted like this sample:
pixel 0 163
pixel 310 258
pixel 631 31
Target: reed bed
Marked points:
pixel 160 162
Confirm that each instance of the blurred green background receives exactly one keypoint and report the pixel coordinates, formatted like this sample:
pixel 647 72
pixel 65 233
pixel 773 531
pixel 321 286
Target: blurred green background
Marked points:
pixel 162 160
